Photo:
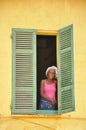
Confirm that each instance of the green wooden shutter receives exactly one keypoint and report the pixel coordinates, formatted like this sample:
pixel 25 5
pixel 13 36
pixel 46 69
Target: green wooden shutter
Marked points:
pixel 24 71
pixel 66 70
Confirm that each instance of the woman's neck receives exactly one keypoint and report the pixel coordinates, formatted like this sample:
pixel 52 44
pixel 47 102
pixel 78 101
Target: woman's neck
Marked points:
pixel 49 80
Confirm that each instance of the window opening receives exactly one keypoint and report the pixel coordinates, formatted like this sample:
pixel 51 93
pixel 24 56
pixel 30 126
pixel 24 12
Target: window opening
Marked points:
pixel 46 56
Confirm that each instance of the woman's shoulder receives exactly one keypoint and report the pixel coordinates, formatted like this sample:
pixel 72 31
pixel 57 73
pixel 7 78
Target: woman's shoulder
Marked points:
pixel 43 80
pixel 55 81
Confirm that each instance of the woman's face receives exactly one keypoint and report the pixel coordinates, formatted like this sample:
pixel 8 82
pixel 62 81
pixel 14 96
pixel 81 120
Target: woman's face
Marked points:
pixel 51 74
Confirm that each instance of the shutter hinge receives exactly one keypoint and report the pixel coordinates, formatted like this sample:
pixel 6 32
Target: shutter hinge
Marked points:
pixel 11 36
pixel 11 107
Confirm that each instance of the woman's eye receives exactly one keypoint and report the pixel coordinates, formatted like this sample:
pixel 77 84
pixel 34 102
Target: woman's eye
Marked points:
pixel 51 73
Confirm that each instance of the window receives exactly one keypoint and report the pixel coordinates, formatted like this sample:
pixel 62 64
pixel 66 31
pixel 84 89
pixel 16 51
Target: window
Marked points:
pixel 28 48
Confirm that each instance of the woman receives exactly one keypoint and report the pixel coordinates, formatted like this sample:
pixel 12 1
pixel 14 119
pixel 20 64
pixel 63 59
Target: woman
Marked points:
pixel 48 90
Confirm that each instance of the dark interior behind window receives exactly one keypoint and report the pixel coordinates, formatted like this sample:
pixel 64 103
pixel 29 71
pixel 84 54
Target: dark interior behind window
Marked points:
pixel 46 56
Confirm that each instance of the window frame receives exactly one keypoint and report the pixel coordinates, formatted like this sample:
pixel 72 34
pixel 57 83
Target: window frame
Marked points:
pixel 49 33
pixel 43 112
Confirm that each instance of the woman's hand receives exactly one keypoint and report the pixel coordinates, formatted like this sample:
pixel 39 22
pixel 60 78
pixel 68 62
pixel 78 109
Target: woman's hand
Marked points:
pixel 53 102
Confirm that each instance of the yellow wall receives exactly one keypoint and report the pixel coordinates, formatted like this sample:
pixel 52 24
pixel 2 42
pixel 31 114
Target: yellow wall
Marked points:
pixel 46 15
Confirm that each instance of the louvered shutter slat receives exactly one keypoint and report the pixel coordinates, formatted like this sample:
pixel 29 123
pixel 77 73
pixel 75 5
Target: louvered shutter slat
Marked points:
pixel 66 69
pixel 24 77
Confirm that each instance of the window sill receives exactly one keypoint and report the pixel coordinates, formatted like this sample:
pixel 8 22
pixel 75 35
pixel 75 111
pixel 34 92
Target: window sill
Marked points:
pixel 36 116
